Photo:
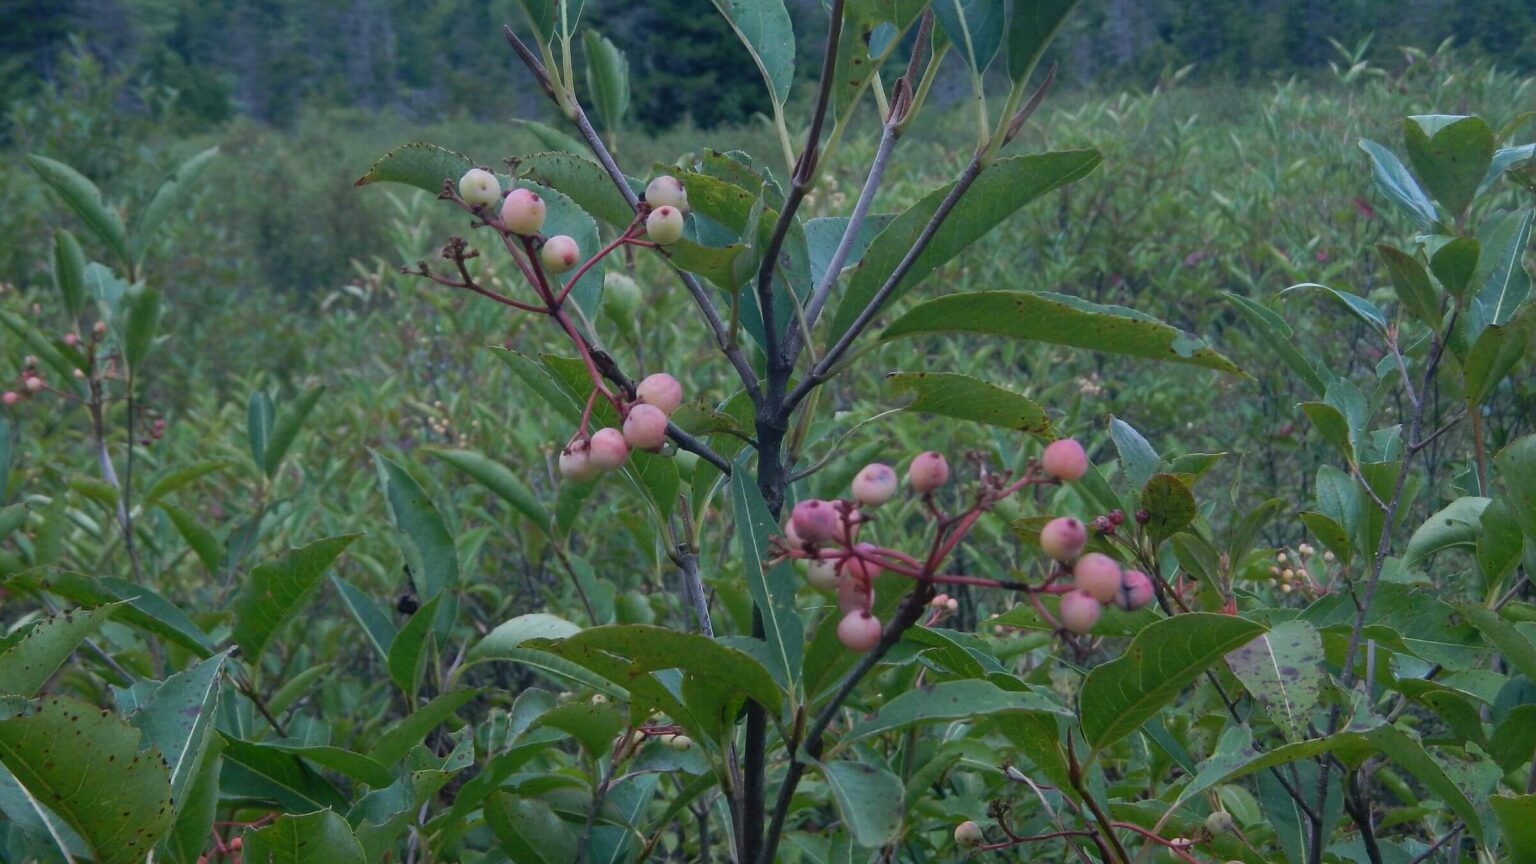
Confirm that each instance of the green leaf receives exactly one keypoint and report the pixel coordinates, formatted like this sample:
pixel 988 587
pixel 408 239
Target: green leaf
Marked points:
pixel 413 729
pixel 202 541
pixel 1278 338
pixel 1516 649
pixel 546 18
pixel 974 26
pixel 1169 503
pixel 550 138
pixel 1032 25
pixel 869 800
pixel 607 79
pixel 1517 823
pixel 1118 696
pixel 425 166
pixel 260 414
pixel 1454 264
pixel 85 763
pixel 375 622
pixel 1412 284
pixel 764 28
pixel 1058 320
pixel 172 192
pixel 189 836
pixel 1451 155
pixel 12 517
pixel 276 775
pixel 180 478
pixel 27 665
pixel 529 830
pixel 84 198
pixel 143 304
pixel 354 765
pixel 1360 307
pixel 1283 671
pixel 1331 423
pixel 304 839
pixel 512 633
pixel 772 586
pixel 69 272
pixel 286 429
pixel 997 193
pixel 1137 458
pixel 434 558
pixel 595 725
pixel 276 589
pixel 409 649
pixel 177 718
pixel 499 479
pixel 563 216
pixel 946 701
pixel 1394 181
pixel 1502 282
pixel 1456 525
pixel 1499 543
pixel 141 607
pixel 965 398
pixel 583 181
pixel 1516 465
pixel 1496 353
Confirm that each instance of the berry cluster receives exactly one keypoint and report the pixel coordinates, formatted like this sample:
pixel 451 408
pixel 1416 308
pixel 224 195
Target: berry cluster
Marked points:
pixel 518 216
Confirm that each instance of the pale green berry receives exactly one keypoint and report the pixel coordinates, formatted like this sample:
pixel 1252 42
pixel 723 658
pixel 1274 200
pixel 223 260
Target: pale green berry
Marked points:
pixel 479 188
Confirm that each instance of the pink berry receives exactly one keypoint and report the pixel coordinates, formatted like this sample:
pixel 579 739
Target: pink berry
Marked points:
pixel 576 462
pixel 863 569
pixel 847 523
pixel 522 212
pixel 661 390
pixel 1063 539
pixel 1079 611
pixel 854 595
pixel 792 536
pixel 560 254
pixel 874 485
pixel 479 188
pixel 71 339
pixel 968 834
pixel 859 630
pixel 1135 590
pixel 667 191
pixel 814 521
pixel 1064 459
pixel 35 384
pixel 664 225
pixel 11 397
pixel 609 450
pixel 99 328
pixel 1098 576
pixel 646 427
pixel 928 472
pixel 822 574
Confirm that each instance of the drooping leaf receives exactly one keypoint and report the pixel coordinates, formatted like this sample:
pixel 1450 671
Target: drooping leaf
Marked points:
pixel 1454 525
pixel 1276 336
pixel 278 588
pixel 1358 306
pixel 1394 181
pixel 962 397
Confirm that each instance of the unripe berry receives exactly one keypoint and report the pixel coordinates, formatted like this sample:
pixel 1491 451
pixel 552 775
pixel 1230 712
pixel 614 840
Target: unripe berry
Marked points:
pixel 927 472
pixel 522 212
pixel 667 191
pixel 560 254
pixel 576 462
pixel 479 187
pixel 1097 575
pixel 968 834
pixel 854 595
pixel 34 384
pixel 1219 822
pixel 822 574
pixel 11 397
pixel 664 225
pixel 608 448
pixel 661 390
pixel 815 521
pixel 1135 591
pixel 680 742
pixel 874 485
pixel 1063 539
pixel 859 630
pixel 864 569
pixel 1064 459
pixel 621 296
pixel 1079 611
pixel 646 427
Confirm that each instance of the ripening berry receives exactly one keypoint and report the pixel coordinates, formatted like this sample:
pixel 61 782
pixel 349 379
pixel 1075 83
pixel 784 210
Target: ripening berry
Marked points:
pixel 1063 539
pixel 815 521
pixel 35 384
pixel 863 569
pixel 576 462
pixel 522 212
pixel 968 834
pixel 646 427
pixel 847 523
pixel 791 536
pixel 854 595
pixel 859 630
pixel 1079 611
pixel 1098 576
pixel 11 397
pixel 874 485
pixel 479 188
pixel 822 574
pixel 99 328
pixel 927 472
pixel 1064 459
pixel 952 604
pixel 608 448
pixel 664 225
pixel 661 390
pixel 1219 822
pixel 560 254
pixel 71 340
pixel 1135 591
pixel 667 191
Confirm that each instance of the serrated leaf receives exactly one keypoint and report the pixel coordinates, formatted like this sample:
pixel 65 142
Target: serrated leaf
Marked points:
pixel 276 589
pixel 425 166
pixel 177 718
pixel 962 397
pixel 26 666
